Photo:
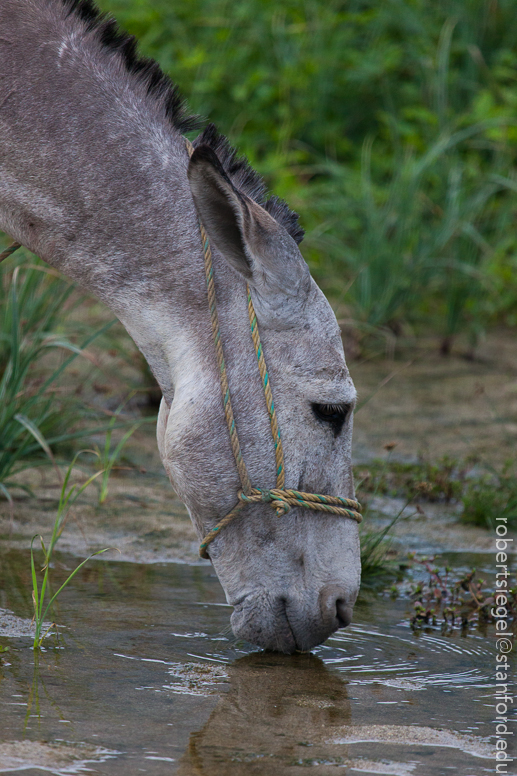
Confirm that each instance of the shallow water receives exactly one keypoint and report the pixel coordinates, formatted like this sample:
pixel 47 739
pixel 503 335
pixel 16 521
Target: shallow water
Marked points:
pixel 148 679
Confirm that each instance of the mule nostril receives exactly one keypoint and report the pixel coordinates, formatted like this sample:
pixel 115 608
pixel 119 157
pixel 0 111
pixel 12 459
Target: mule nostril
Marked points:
pixel 344 613
pixel 334 606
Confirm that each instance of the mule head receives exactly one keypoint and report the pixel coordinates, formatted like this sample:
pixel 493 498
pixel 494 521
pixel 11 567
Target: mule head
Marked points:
pixel 292 580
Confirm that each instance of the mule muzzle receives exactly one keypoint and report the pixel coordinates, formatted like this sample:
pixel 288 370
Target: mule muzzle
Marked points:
pixel 289 623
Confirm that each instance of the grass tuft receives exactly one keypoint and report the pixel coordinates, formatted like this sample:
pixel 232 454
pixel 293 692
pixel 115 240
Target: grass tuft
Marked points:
pixel 36 413
pixel 486 497
pixel 107 456
pixel 492 499
pixel 376 560
pixel 42 607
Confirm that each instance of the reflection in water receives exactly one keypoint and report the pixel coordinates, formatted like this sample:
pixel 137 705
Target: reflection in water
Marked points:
pixel 278 712
pixel 33 702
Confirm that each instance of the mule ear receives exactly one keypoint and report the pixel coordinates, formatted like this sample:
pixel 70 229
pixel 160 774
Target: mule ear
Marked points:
pixel 252 242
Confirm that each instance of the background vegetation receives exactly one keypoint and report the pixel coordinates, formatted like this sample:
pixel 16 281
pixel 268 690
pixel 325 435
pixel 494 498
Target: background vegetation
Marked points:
pixel 390 126
pixel 50 372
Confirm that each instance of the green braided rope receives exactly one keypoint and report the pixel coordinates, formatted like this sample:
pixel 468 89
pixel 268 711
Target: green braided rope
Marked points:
pixel 280 499
pixel 279 451
pixel 11 249
pixel 220 525
pixel 223 377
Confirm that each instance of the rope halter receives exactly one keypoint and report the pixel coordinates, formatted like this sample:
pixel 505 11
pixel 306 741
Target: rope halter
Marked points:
pixel 279 498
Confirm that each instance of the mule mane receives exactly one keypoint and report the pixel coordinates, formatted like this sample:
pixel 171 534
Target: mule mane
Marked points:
pixel 162 89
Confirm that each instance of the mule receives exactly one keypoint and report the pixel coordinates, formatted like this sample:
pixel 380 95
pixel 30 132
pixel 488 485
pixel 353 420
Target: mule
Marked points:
pixel 96 179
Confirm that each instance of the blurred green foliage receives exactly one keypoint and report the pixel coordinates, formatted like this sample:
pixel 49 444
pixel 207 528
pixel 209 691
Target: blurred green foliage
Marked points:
pixel 39 411
pixel 390 126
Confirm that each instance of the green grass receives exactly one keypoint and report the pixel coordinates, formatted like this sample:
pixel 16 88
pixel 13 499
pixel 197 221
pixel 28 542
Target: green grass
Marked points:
pixel 485 495
pixel 490 497
pixel 41 597
pixel 376 560
pixel 377 563
pixel 36 413
pixel 391 127
pixel 108 456
pixel 443 480
pixel 418 251
pixel 486 498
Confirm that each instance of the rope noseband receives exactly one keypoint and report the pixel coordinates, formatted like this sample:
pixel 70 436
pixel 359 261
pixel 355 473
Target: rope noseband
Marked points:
pixel 280 499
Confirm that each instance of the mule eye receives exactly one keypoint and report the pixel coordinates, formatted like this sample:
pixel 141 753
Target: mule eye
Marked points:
pixel 333 414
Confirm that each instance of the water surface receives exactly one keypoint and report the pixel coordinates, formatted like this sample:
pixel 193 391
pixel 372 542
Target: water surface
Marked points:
pixel 147 678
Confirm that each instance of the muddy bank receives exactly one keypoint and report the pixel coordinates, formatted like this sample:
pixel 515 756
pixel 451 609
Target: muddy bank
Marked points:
pixel 435 406
pixel 148 524
pixel 142 518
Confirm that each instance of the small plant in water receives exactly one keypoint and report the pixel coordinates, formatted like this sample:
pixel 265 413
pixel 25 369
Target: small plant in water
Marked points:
pixel 376 559
pixel 39 593
pixel 452 603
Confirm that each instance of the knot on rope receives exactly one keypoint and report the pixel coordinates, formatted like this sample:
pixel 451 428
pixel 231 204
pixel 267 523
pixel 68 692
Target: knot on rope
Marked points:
pixel 276 498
